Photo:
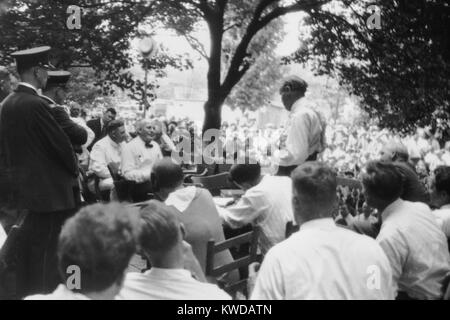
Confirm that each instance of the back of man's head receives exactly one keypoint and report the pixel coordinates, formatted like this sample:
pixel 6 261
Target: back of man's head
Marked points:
pixel 249 172
pixel 160 229
pixel 114 125
pixel 441 185
pixel 166 174
pixel 314 191
pixel 382 182
pixel 99 240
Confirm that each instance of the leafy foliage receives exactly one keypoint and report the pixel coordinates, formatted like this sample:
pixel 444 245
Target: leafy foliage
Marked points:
pixel 401 72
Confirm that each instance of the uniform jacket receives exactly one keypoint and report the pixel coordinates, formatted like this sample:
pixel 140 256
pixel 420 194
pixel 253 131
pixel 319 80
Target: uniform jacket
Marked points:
pixel 36 154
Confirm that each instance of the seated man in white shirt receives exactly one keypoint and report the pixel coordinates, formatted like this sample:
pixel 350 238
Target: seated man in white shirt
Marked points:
pixel 94 249
pixel 265 203
pixel 322 260
pixel 107 150
pixel 410 235
pixel 440 197
pixel 173 263
pixel 138 157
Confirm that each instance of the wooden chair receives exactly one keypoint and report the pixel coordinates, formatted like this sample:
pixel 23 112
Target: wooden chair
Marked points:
pixel 188 176
pixel 214 183
pixel 217 271
pixel 291 228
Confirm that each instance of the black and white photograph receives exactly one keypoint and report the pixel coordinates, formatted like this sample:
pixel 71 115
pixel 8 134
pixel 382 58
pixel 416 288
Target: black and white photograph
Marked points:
pixel 241 151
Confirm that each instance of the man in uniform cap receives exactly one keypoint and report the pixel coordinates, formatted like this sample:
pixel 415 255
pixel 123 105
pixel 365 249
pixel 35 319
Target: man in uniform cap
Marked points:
pixel 305 129
pixel 41 166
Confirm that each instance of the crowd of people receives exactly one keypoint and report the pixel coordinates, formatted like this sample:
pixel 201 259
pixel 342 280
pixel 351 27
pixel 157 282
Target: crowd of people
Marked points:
pixel 368 212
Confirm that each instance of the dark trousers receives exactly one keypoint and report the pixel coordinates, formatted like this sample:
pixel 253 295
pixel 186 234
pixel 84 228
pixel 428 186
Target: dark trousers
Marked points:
pixel 286 171
pixel 37 265
pixel 140 191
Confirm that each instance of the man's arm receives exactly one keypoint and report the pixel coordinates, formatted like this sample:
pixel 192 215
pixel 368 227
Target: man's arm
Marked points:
pixel 76 133
pixel 129 166
pixel 53 137
pixel 249 209
pixel 98 163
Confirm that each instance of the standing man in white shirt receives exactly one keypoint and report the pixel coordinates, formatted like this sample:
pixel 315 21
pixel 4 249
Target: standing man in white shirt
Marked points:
pixel 410 236
pixel 174 265
pixel 305 132
pixel 138 158
pixel 322 260
pixel 265 203
pixel 107 150
pixel 440 197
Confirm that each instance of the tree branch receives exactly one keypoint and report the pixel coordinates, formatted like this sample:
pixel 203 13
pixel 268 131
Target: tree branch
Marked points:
pixel 196 45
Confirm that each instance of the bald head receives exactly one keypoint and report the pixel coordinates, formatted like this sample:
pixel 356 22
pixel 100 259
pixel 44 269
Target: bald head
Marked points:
pixel 394 150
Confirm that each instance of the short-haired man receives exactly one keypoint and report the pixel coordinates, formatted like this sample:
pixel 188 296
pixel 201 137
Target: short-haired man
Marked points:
pixel 138 157
pixel 173 263
pixel 397 153
pixel 322 260
pixel 198 212
pixel 410 236
pixel 107 150
pixel 440 197
pixel 98 243
pixel 99 126
pixel 265 203
pixel 305 131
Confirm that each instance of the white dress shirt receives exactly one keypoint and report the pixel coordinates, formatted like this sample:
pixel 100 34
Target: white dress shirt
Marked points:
pixel 443 218
pixel 416 248
pixel 303 135
pixel 60 293
pixel 323 261
pixel 104 152
pixel 83 158
pixel 268 205
pixel 137 160
pixel 168 284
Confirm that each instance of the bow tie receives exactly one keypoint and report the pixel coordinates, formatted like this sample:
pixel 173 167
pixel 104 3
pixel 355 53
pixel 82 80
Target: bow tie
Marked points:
pixel 148 145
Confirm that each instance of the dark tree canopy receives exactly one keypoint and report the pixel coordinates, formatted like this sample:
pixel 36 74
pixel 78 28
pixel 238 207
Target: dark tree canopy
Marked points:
pixel 102 43
pixel 401 72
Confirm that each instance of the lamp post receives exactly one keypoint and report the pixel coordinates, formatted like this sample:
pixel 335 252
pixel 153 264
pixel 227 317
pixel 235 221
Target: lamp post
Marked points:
pixel 148 48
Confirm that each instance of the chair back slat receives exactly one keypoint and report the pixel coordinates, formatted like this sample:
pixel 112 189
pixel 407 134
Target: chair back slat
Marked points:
pixel 233 242
pixel 214 183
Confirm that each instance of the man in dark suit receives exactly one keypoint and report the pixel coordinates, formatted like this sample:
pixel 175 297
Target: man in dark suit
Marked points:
pixel 55 94
pixel 41 170
pixel 99 125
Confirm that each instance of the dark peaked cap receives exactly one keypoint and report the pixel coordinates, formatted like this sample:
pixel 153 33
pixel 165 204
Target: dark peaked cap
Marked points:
pixel 58 78
pixel 32 57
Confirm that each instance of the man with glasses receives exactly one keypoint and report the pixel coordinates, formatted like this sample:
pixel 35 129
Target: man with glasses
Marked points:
pixel 41 169
pixel 305 130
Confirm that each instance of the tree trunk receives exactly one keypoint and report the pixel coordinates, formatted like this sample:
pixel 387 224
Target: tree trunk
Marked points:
pixel 213 113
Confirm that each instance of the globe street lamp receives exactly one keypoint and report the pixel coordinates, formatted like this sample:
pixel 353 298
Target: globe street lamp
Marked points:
pixel 148 48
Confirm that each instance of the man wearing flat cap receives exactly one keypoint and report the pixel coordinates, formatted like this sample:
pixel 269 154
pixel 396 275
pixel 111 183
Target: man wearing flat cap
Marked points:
pixel 42 172
pixel 305 131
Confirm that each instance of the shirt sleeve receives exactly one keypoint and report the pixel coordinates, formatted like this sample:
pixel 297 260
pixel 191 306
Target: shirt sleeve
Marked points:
pixel 54 138
pixel 98 163
pixel 297 141
pixel 249 209
pixel 269 283
pixel 396 251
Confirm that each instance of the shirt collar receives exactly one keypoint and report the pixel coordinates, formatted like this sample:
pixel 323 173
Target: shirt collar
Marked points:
pixel 26 84
pixel 115 145
pixel 446 206
pixel 169 273
pixel 391 208
pixel 296 106
pixel 182 198
pixel 321 223
pixel 50 100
